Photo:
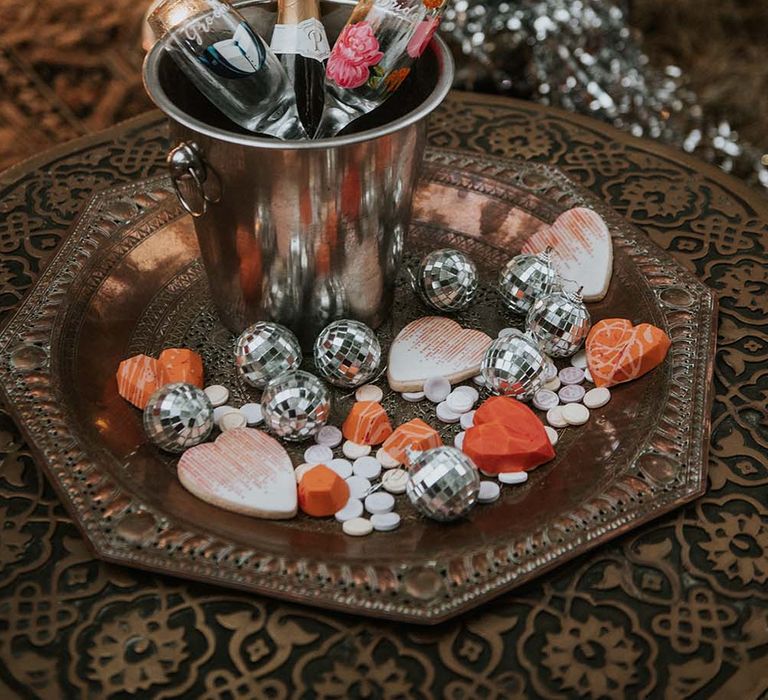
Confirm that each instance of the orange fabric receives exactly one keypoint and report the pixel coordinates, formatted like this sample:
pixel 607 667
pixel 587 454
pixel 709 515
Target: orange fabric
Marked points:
pixel 415 434
pixel 322 492
pixel 367 424
pixel 619 352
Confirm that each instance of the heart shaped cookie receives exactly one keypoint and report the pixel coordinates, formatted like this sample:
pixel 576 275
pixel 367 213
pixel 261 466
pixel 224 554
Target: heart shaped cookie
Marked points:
pixel 245 471
pixel 619 352
pixel 434 346
pixel 140 376
pixel 582 250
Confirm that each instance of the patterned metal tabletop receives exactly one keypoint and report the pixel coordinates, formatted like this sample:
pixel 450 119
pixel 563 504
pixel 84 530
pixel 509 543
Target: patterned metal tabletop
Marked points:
pixel 676 608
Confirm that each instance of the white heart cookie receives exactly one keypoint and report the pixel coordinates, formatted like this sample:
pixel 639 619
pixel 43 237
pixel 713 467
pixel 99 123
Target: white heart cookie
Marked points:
pixel 434 346
pixel 582 250
pixel 245 471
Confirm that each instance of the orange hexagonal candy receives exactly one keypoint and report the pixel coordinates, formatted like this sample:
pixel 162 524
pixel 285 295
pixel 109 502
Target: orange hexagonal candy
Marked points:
pixel 415 434
pixel 138 378
pixel 322 492
pixel 181 365
pixel 367 424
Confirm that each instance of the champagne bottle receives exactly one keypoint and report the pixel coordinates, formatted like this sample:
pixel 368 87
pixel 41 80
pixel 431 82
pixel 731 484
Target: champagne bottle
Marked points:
pixel 299 40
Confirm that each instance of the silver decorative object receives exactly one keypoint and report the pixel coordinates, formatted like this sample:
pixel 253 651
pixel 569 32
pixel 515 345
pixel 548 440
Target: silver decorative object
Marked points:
pixel 559 322
pixel 347 353
pixel 514 366
pixel 295 405
pixel 178 416
pixel 264 351
pixel 447 280
pixel 524 279
pixel 443 483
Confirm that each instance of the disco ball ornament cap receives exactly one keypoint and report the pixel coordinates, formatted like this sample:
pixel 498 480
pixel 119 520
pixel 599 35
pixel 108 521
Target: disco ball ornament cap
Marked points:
pixel 447 280
pixel 264 351
pixel 347 353
pixel 178 416
pixel 513 366
pixel 526 278
pixel 443 483
pixel 295 405
pixel 559 323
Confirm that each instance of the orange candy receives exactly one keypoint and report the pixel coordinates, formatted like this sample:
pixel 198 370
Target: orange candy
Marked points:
pixel 181 365
pixel 140 376
pixel 322 492
pixel 415 434
pixel 367 424
pixel 619 352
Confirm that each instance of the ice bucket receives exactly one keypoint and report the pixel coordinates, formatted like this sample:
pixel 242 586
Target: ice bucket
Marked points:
pixel 299 232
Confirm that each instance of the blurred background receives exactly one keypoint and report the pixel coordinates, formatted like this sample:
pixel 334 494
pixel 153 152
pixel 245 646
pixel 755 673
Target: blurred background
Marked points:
pixel 690 72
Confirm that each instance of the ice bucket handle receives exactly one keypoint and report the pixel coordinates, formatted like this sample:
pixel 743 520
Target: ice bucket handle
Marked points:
pixel 186 162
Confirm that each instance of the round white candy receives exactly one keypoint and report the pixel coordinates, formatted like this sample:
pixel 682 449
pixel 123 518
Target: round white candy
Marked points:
pixel 343 467
pixel 513 477
pixel 218 395
pixel 555 417
pixel 597 397
pixel 385 459
pixel 330 436
pixel 353 509
pixel 358 486
pixel 458 441
pixel 552 435
pixel 571 393
pixel 384 522
pixel 369 392
pixel 588 375
pixel 575 414
pixel 353 450
pixel 301 470
pixel 318 454
pixel 445 414
pixel 232 420
pixel 479 379
pixel 252 413
pixel 544 399
pixel 579 359
pixel 368 467
pixel 413 396
pixel 571 375
pixel 469 391
pixel 552 385
pixel 460 402
pixel 357 527
pixel 379 502
pixel 436 389
pixel 220 411
pixel 489 492
pixel 467 420
pixel 395 481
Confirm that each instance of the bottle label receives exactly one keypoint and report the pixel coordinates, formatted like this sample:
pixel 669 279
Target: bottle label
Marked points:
pixel 306 38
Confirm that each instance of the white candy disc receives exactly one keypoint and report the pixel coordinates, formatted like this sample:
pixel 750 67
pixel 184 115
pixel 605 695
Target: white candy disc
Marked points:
pixel 395 480
pixel 552 385
pixel 597 397
pixel 544 399
pixel 252 413
pixel 575 414
pixel 220 411
pixel 343 467
pixel 550 371
pixel 555 417
pixel 353 509
pixel 552 435
pixel 379 502
pixel 318 454
pixel 385 459
pixel 489 492
pixel 301 470
pixel 571 375
pixel 358 486
pixel 579 359
pixel 413 396
pixel 369 392
pixel 460 402
pixel 232 420
pixel 513 477
pixel 571 393
pixel 479 379
pixel 436 389
pixel 353 450
pixel 218 395
pixel 588 376
pixel 467 420
pixel 367 467
pixel 357 527
pixel 445 414
pixel 384 522
pixel 458 441
pixel 330 436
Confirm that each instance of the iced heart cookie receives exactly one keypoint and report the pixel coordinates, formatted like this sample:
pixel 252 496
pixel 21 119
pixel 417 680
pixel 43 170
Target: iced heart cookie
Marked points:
pixel 434 346
pixel 245 471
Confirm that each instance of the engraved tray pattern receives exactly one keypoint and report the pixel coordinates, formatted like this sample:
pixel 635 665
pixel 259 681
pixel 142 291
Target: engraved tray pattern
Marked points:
pixel 121 492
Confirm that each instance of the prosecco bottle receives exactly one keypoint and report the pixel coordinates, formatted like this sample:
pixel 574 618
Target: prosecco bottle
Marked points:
pixel 299 40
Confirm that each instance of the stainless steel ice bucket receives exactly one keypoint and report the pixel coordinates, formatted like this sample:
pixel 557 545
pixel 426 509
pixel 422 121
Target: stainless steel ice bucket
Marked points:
pixel 299 232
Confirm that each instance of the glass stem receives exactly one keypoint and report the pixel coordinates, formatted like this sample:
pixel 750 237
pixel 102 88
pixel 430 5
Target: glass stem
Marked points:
pixel 336 116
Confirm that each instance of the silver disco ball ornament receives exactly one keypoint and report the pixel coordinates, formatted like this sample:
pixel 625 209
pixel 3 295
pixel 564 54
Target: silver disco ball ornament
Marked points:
pixel 443 483
pixel 264 351
pixel 295 405
pixel 447 280
pixel 514 366
pixel 526 278
pixel 559 322
pixel 347 353
pixel 178 416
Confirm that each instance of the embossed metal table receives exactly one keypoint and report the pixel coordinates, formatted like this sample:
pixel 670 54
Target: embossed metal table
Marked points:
pixel 677 606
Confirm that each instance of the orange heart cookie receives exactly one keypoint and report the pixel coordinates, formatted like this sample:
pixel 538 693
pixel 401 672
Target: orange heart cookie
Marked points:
pixel 619 352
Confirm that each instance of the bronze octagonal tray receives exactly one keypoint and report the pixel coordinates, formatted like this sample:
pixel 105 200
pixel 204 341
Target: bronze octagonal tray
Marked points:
pixel 128 279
